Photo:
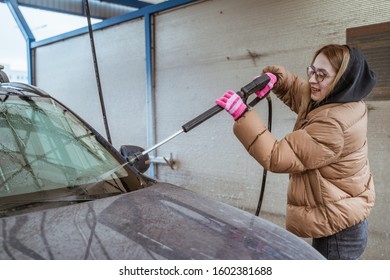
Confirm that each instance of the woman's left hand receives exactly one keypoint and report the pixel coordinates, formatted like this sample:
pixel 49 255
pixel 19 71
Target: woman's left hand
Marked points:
pixel 232 103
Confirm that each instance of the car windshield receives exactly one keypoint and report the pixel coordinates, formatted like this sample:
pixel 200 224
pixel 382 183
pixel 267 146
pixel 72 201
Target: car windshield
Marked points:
pixel 44 147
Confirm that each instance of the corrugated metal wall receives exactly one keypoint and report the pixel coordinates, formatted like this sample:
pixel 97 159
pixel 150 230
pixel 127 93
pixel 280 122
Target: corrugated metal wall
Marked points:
pixel 201 51
pixel 66 70
pixel 98 9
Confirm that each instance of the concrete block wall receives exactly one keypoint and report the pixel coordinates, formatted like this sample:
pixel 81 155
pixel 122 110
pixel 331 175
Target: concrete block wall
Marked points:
pixel 202 50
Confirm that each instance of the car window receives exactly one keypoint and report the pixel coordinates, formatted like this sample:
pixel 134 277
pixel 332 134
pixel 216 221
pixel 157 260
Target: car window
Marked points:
pixel 44 147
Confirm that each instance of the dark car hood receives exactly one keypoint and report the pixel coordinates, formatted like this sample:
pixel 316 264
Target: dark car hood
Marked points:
pixel 158 222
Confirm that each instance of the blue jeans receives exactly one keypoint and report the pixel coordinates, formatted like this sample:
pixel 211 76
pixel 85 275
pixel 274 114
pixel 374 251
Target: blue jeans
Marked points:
pixel 348 244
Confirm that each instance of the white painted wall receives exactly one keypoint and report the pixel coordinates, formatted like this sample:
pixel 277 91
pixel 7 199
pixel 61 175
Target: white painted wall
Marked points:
pixel 66 70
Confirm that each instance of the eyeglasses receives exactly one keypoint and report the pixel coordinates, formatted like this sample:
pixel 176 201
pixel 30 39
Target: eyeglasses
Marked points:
pixel 319 75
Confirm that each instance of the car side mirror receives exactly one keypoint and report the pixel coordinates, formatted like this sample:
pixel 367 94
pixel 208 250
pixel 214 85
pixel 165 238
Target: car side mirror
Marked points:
pixel 3 75
pixel 133 154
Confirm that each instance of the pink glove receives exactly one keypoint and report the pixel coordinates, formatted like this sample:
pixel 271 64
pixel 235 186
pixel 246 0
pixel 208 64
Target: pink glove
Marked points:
pixel 232 103
pixel 260 94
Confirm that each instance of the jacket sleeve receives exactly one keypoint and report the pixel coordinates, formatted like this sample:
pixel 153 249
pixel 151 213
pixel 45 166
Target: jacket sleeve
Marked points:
pixel 289 88
pixel 317 145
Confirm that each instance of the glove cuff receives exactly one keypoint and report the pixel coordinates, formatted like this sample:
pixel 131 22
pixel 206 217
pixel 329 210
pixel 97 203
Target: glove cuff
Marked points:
pixel 243 113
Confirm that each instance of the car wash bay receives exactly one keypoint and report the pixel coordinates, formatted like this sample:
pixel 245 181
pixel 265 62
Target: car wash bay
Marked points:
pixel 163 65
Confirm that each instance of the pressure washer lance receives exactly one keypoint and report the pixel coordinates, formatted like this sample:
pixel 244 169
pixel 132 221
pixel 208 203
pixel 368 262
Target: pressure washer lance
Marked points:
pixel 254 86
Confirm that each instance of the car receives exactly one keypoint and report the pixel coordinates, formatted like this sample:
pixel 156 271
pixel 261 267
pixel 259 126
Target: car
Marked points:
pixel 66 193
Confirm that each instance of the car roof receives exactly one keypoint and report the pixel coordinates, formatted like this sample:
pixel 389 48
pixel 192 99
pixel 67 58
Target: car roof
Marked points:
pixel 16 88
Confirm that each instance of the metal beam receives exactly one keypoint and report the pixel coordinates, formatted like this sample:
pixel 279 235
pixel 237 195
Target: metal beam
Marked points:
pixel 150 93
pixel 20 20
pixel 129 3
pixel 27 34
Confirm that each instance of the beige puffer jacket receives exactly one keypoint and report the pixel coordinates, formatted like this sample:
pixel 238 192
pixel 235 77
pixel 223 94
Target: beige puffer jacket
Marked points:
pixel 330 186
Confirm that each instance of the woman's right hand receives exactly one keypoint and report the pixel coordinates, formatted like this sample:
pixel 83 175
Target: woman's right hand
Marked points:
pixel 278 71
pixel 273 79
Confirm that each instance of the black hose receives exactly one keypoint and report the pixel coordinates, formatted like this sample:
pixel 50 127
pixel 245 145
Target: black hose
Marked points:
pixel 265 170
pixel 97 75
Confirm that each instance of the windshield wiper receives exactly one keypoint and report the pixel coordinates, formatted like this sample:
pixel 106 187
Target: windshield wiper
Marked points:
pixel 10 206
pixel 11 200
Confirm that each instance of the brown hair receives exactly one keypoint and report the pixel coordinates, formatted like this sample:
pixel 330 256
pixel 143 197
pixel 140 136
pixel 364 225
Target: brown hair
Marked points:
pixel 338 56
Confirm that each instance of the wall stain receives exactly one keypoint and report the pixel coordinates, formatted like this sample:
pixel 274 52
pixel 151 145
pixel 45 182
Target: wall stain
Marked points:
pixel 252 55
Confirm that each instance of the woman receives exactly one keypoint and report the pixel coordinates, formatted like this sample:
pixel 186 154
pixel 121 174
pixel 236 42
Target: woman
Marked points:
pixel 331 190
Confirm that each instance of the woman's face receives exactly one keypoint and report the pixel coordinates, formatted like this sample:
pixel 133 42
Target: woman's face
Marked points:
pixel 321 89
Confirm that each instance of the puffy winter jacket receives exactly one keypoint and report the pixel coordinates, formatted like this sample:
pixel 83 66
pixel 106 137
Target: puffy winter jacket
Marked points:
pixel 331 187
